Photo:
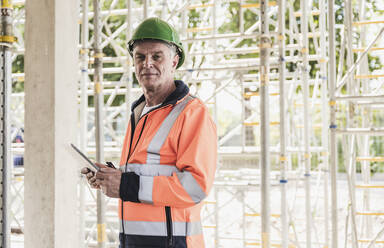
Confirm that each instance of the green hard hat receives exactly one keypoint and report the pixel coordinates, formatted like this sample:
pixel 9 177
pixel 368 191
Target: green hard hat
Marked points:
pixel 157 29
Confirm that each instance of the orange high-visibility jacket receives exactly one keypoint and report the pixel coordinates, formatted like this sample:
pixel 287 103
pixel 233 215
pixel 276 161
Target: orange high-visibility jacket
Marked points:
pixel 168 161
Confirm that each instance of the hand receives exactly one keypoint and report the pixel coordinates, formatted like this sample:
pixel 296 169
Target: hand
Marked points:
pixel 90 177
pixel 109 180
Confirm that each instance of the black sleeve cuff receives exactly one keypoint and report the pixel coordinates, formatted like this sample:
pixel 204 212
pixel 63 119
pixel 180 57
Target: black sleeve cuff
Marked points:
pixel 129 187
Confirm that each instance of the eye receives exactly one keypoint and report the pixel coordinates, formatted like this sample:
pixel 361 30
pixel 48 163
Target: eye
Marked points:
pixel 139 57
pixel 156 57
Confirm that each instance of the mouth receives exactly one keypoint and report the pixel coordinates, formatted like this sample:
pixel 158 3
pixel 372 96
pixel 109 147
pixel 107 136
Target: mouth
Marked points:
pixel 148 74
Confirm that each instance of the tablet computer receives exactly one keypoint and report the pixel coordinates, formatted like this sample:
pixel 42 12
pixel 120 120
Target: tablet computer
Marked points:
pixel 85 157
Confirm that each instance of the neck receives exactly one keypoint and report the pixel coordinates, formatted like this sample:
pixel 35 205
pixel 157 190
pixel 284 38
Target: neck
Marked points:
pixel 158 96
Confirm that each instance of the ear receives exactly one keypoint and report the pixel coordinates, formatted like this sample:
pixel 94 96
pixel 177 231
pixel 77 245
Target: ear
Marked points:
pixel 175 61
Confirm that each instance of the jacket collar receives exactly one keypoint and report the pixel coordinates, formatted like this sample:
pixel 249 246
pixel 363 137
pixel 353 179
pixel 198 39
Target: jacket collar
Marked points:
pixel 179 93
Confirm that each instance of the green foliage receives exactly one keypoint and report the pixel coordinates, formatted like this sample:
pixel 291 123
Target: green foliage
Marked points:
pixel 18 67
pixel 250 18
pixel 374 62
pixel 233 22
pixel 315 160
pixel 18 64
pixel 340 156
pixel 194 19
pixel 17 87
pixel 377 148
pixel 295 161
pixel 120 4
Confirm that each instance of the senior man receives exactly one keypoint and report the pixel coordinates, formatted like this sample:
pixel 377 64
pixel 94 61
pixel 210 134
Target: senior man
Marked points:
pixel 169 155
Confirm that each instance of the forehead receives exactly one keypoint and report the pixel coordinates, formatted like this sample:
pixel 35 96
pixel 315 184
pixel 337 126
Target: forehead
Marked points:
pixel 150 46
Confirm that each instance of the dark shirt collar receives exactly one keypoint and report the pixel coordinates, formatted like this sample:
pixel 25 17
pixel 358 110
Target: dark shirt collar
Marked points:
pixel 179 93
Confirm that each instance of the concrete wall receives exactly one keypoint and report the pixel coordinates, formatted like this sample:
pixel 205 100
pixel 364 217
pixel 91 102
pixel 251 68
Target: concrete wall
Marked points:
pixel 51 75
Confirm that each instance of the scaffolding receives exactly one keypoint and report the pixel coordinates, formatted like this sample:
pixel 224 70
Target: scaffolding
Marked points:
pixel 261 68
pixel 358 92
pixel 6 40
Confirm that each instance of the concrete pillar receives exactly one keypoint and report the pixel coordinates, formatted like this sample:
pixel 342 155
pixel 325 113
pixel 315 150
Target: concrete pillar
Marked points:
pixel 51 172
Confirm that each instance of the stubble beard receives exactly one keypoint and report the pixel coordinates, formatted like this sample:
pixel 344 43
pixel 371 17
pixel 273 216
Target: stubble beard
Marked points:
pixel 156 90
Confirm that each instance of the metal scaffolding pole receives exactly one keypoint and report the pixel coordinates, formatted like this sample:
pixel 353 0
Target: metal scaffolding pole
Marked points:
pixel 129 77
pixel 184 35
pixel 6 40
pixel 325 121
pixel 241 17
pixel 351 165
pixel 99 132
pixel 283 126
pixel 243 133
pixel 244 233
pixel 351 187
pixel 307 155
pixel 164 9
pixel 362 68
pixel 216 216
pixel 332 103
pixel 146 9
pixel 265 44
pixel 215 112
pixel 214 46
pixel 83 110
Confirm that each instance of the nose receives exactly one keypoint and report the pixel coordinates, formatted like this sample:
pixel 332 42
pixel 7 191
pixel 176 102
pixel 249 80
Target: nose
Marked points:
pixel 148 62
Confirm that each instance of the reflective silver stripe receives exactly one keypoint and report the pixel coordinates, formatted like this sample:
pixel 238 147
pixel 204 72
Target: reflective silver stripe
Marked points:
pixel 146 188
pixel 153 150
pixel 191 186
pixel 152 228
pixel 193 228
pixel 145 228
pixel 147 172
pixel 151 169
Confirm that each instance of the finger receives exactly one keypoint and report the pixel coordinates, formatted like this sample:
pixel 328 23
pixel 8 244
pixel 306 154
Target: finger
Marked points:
pixel 101 182
pixel 108 170
pixel 85 170
pixel 95 186
pixel 100 175
pixel 93 180
pixel 101 165
pixel 90 175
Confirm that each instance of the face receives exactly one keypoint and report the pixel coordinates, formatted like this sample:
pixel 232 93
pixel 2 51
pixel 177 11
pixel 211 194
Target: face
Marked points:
pixel 155 65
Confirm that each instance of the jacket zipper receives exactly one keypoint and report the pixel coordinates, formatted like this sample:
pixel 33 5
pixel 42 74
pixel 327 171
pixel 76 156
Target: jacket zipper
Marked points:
pixel 167 209
pixel 141 132
pixel 169 227
pixel 133 127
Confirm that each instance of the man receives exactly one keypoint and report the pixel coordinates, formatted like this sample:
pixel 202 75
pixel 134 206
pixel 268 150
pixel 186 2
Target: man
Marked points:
pixel 169 155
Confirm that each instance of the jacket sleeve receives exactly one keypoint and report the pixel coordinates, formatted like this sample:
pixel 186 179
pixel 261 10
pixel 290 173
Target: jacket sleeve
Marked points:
pixel 196 163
